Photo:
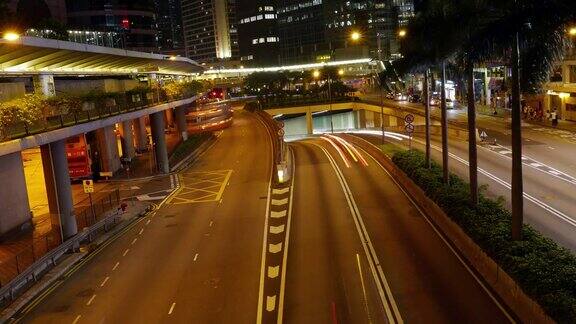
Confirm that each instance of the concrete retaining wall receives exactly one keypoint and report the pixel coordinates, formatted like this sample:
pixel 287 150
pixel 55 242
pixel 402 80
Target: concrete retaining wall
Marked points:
pixel 500 282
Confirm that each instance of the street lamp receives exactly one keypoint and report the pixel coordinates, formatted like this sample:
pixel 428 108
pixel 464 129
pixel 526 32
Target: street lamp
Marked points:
pixel 341 72
pixel 572 31
pixel 316 74
pixel 355 36
pixel 402 33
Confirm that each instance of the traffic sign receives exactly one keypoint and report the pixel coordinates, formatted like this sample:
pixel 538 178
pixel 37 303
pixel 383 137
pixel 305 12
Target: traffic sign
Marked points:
pixel 281 132
pixel 409 128
pixel 409 118
pixel 280 123
pixel 88 186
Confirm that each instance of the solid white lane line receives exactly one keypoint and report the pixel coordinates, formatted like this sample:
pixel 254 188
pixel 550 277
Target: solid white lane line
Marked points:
pixel 384 291
pixel 116 266
pixel 263 256
pixel 287 243
pixel 125 252
pixel 171 308
pixel 104 282
pixel 91 300
pixel 363 288
pixel 464 263
pixel 134 241
pixel 76 319
pixel 196 257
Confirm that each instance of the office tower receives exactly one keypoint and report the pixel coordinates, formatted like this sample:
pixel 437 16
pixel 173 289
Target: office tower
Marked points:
pixel 169 23
pixel 210 30
pixel 258 32
pixel 133 19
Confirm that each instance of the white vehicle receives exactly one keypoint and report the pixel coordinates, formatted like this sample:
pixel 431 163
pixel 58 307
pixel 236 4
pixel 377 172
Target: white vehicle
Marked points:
pixel 400 97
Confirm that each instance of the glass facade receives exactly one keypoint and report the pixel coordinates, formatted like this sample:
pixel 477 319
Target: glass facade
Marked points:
pixel 312 30
pixel 134 20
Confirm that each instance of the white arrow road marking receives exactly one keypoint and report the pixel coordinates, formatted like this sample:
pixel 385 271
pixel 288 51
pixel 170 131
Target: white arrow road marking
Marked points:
pixel 275 248
pixel 279 214
pixel 273 272
pixel 279 202
pixel 276 229
pixel 270 303
pixel 280 191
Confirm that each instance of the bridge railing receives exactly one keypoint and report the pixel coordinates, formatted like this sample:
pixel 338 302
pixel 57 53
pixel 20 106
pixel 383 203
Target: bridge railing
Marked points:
pixel 46 114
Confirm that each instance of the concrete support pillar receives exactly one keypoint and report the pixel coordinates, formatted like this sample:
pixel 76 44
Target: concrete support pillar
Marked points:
pixel 127 139
pixel 169 118
pixel 360 119
pixel 159 141
pixel 14 205
pixel 44 84
pixel 309 123
pixel 487 93
pixel 386 121
pixel 141 136
pixel 547 103
pixel 58 187
pixel 377 120
pixel 181 125
pixel 108 149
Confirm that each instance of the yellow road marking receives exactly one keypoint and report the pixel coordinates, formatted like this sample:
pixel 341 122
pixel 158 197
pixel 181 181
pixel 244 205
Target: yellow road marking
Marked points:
pixel 201 186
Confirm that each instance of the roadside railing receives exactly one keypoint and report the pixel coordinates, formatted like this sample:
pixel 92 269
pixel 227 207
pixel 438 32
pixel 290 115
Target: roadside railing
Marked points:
pixel 42 245
pixel 303 101
pixel 89 111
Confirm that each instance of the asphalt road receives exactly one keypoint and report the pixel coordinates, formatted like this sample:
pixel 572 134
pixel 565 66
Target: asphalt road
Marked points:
pixel 426 279
pixel 197 260
pixel 549 170
pixel 549 203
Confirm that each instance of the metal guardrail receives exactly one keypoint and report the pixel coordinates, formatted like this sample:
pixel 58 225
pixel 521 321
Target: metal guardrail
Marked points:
pixel 30 275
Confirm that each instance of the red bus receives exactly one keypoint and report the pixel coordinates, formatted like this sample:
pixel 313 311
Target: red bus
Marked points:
pixel 79 162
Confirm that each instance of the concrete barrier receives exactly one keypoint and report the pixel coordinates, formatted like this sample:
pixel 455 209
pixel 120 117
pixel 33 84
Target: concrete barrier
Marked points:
pixel 526 309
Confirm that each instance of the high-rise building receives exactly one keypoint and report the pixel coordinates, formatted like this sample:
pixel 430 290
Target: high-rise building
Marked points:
pixel 258 32
pixel 210 30
pixel 170 31
pixel 133 19
pixel 319 30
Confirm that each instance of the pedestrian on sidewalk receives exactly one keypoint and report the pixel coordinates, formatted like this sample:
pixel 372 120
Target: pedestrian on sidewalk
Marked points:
pixel 554 118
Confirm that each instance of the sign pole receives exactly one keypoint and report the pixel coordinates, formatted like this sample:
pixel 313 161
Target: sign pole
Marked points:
pixel 92 208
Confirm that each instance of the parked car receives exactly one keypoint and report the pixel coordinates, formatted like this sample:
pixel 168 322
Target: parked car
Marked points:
pixel 390 95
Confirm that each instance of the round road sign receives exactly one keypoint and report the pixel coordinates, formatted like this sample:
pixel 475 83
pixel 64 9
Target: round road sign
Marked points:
pixel 281 132
pixel 409 118
pixel 280 124
pixel 409 128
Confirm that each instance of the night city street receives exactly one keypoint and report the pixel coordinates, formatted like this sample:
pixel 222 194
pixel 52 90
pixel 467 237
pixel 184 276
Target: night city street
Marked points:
pixel 287 161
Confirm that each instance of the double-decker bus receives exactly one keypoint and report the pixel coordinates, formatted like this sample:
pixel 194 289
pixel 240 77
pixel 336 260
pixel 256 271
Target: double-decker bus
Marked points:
pixel 78 155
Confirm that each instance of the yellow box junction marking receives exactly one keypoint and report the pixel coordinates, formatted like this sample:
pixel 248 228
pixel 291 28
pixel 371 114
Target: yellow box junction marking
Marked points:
pixel 201 187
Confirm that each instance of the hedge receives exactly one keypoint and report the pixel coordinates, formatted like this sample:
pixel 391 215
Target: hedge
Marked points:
pixel 543 269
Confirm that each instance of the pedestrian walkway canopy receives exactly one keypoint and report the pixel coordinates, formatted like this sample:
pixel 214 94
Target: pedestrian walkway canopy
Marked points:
pixel 32 55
